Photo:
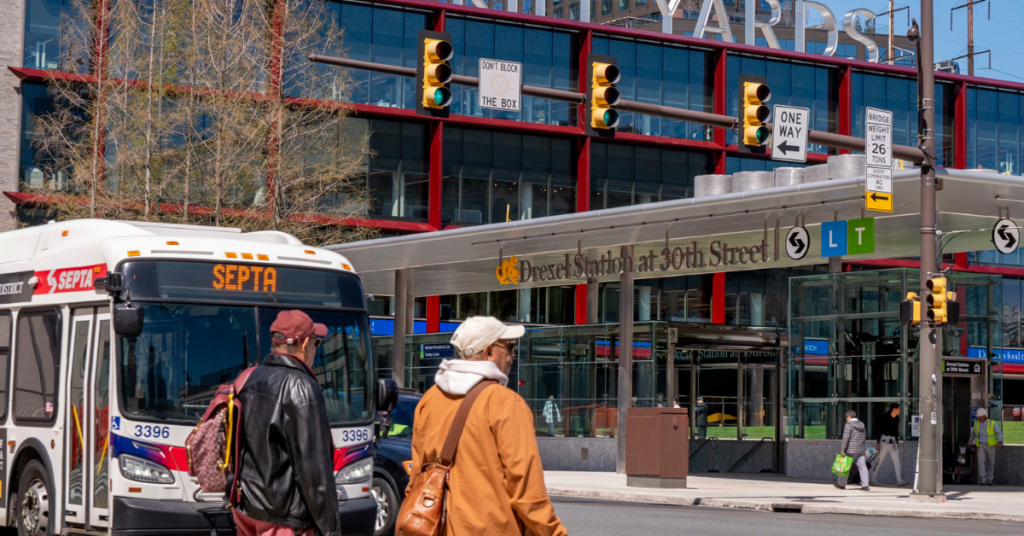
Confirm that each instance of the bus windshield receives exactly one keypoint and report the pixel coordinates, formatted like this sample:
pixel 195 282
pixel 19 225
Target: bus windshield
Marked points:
pixel 170 372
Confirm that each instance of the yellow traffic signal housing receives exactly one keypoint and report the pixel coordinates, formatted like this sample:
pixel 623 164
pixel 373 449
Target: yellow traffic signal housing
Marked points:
pixel 937 300
pixel 602 95
pixel 754 113
pixel 910 309
pixel 434 74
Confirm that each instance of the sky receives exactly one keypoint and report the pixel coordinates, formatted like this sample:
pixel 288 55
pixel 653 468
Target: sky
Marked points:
pixel 1000 35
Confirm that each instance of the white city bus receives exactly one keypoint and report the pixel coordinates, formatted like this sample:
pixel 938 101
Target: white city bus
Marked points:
pixel 113 338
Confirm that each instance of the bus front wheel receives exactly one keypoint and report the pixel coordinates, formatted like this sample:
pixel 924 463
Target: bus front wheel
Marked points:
pixel 34 501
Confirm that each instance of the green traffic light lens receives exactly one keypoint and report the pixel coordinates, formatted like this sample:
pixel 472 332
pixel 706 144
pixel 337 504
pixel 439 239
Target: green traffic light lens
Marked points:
pixel 762 135
pixel 439 96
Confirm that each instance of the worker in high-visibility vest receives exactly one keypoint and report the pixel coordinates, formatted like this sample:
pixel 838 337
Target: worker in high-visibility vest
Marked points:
pixel 987 438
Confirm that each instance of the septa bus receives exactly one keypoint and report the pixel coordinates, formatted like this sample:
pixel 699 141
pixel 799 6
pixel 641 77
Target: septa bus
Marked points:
pixel 113 339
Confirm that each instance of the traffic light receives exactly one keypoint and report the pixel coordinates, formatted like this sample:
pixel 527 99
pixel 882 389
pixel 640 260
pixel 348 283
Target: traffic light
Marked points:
pixel 433 74
pixel 910 309
pixel 754 134
pixel 602 95
pixel 938 313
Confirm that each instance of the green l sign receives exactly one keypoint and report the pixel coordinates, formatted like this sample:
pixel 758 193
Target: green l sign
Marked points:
pixel 860 236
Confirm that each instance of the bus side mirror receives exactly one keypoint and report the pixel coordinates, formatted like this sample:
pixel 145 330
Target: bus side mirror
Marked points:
pixel 127 319
pixel 387 395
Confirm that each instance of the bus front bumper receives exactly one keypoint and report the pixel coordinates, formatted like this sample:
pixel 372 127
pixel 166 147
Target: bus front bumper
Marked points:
pixel 151 517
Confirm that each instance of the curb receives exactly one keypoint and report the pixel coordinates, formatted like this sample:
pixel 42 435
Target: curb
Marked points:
pixel 771 506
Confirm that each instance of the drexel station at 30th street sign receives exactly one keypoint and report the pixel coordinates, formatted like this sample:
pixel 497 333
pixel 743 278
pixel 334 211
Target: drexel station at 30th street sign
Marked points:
pixel 718 253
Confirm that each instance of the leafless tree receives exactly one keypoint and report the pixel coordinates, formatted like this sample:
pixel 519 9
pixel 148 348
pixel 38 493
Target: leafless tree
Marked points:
pixel 207 112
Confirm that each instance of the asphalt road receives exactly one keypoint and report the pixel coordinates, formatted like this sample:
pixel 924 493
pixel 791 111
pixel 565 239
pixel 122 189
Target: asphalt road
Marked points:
pixel 601 518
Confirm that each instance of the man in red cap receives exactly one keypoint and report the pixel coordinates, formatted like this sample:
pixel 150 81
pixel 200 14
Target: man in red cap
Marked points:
pixel 287 454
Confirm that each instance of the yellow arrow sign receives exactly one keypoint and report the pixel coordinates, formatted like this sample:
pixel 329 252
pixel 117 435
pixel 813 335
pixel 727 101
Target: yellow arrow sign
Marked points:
pixel 878 202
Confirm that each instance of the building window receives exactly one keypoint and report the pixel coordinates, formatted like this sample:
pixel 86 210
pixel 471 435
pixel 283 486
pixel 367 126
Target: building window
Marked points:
pixel 43 20
pixel 899 95
pixel 664 75
pixel 844 50
pixel 398 173
pixel 549 58
pixel 623 175
pixel 993 136
pixel 386 36
pixel 574 11
pixel 35 170
pixel 793 84
pixel 623 5
pixel 493 177
pixel 557 13
pixel 606 7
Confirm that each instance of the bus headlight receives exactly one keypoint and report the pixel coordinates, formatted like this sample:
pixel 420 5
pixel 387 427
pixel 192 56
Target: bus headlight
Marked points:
pixel 356 472
pixel 140 470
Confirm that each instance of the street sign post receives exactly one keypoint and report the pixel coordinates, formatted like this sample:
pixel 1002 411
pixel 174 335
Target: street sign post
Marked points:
pixel 878 160
pixel 798 242
pixel 789 132
pixel 501 84
pixel 1006 236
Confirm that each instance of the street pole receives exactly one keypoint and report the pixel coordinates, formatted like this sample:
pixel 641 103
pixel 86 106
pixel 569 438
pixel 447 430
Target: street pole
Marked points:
pixel 970 39
pixel 930 343
pixel 892 31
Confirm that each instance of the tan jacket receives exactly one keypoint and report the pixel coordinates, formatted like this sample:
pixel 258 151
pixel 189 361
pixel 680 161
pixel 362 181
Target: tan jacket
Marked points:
pixel 496 485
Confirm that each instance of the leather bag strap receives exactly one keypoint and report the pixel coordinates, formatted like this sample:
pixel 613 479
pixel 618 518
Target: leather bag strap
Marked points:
pixel 451 443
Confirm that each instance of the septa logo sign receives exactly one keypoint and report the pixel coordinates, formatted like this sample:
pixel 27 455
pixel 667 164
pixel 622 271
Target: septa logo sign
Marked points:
pixel 69 279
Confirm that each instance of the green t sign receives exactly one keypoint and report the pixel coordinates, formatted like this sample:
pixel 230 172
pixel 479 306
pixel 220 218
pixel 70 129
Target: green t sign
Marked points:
pixel 860 236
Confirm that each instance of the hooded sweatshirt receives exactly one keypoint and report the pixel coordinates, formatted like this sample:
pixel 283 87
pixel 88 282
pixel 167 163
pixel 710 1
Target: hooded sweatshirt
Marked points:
pixel 496 484
pixel 854 437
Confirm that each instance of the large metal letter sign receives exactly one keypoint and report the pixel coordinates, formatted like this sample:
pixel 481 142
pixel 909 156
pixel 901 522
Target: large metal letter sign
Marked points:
pixel 798 242
pixel 501 85
pixel 789 133
pixel 878 160
pixel 1006 236
pixel 833 238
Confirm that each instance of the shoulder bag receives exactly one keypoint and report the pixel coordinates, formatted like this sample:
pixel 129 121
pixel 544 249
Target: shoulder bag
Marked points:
pixel 423 512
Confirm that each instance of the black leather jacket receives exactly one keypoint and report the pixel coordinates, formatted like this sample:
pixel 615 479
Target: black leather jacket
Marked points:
pixel 287 453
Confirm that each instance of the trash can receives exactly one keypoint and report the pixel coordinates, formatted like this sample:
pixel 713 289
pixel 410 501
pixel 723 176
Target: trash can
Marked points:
pixel 657 447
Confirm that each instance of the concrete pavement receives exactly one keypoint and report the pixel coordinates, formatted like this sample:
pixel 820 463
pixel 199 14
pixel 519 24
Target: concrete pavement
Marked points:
pixel 769 492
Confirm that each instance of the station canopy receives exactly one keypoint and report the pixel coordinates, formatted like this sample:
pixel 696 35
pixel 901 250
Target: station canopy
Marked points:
pixel 729 232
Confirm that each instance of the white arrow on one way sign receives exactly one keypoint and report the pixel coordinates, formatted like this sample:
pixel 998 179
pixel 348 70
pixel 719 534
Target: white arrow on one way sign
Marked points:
pixel 789 132
pixel 798 243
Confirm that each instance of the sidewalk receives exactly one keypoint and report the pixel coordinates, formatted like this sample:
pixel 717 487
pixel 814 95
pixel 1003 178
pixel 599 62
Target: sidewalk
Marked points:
pixel 778 493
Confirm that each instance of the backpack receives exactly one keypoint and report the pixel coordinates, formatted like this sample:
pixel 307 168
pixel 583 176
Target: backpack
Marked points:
pixel 423 511
pixel 212 447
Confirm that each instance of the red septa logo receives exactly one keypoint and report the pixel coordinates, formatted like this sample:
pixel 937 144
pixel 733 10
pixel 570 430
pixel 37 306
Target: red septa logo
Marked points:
pixel 69 279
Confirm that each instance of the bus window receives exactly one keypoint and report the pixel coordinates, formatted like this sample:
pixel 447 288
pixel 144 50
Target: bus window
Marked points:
pixel 101 390
pixel 342 362
pixel 76 403
pixel 5 358
pixel 35 370
pixel 173 368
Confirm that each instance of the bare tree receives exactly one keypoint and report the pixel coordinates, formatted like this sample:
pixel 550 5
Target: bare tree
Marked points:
pixel 206 111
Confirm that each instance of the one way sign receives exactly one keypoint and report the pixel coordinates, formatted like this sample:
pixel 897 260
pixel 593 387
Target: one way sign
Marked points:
pixel 790 133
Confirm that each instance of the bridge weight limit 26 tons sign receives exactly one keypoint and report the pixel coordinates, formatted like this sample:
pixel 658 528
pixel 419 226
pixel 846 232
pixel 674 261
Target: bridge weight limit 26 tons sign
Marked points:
pixel 878 160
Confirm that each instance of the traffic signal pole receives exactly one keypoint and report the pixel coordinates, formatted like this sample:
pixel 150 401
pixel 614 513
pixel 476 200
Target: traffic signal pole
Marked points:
pixel 928 486
pixel 839 141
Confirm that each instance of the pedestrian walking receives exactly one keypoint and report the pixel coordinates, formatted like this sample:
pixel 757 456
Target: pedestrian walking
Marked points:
pixel 854 445
pixel 551 415
pixel 287 476
pixel 702 418
pixel 496 481
pixel 987 438
pixel 888 445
